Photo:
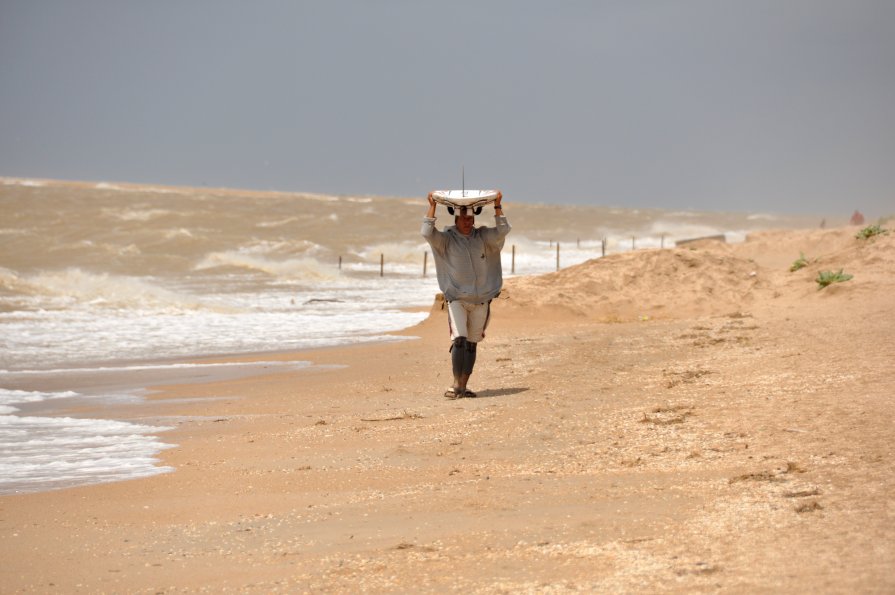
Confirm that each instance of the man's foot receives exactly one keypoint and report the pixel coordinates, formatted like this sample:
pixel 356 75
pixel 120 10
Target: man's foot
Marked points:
pixel 453 393
pixel 459 393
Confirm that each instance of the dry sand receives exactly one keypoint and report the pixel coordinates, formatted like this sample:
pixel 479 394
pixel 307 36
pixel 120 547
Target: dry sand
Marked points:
pixel 690 420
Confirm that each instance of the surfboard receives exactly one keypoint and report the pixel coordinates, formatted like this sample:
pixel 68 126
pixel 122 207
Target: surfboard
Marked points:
pixel 470 199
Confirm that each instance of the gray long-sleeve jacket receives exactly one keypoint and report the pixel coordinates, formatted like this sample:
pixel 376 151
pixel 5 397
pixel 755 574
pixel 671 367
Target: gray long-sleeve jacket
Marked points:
pixel 468 268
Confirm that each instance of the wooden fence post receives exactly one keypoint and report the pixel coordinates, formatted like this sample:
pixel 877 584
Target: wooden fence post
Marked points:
pixel 425 261
pixel 513 267
pixel 381 264
pixel 557 256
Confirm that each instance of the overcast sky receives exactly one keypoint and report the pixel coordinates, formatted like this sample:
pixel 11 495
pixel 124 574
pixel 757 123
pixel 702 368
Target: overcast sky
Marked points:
pixel 747 105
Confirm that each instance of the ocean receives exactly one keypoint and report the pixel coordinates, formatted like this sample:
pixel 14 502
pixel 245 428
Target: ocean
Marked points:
pixel 128 283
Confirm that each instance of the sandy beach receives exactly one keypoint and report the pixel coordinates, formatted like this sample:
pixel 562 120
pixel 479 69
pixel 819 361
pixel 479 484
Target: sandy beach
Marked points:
pixel 696 419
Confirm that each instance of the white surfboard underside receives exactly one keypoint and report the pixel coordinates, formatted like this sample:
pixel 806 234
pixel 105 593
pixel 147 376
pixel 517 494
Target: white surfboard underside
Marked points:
pixel 464 198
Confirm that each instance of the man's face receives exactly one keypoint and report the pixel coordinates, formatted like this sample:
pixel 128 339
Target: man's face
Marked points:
pixel 465 222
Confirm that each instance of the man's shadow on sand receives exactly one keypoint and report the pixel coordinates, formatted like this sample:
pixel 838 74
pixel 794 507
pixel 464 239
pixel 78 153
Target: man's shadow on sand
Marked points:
pixel 499 392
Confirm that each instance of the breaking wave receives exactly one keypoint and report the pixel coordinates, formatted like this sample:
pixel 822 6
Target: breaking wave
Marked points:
pixel 293 269
pixel 75 286
pixel 141 215
pixel 403 252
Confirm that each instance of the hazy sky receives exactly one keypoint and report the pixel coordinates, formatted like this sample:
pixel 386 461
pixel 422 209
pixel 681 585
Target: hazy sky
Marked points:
pixel 748 105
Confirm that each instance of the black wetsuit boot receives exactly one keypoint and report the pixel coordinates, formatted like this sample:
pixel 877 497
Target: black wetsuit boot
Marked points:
pixel 469 364
pixel 458 356
pixel 463 354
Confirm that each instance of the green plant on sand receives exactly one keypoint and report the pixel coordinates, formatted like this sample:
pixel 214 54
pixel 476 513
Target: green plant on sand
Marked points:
pixel 800 263
pixel 825 278
pixel 871 231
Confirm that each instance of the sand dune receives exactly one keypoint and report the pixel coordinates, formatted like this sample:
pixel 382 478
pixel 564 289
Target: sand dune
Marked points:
pixel 660 284
pixel 707 278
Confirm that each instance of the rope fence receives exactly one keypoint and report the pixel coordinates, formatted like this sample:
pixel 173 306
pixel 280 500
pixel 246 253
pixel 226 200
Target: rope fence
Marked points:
pixel 603 244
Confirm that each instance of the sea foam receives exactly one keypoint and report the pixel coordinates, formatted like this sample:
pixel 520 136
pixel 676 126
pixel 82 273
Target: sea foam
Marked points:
pixel 38 453
pixel 10 397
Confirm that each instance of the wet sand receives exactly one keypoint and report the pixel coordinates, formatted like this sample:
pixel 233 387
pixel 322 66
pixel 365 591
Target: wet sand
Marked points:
pixel 689 420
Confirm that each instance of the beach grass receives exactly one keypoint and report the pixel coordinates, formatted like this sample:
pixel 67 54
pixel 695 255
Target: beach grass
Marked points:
pixel 825 278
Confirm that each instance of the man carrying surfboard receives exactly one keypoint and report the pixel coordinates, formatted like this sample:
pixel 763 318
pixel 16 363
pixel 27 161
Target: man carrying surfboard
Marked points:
pixel 467 264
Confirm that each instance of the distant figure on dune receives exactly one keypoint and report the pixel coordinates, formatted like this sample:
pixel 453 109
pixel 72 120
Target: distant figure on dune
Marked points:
pixel 857 218
pixel 467 263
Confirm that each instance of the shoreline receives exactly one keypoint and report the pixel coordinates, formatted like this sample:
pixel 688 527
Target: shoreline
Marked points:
pixel 730 450
pixel 132 392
